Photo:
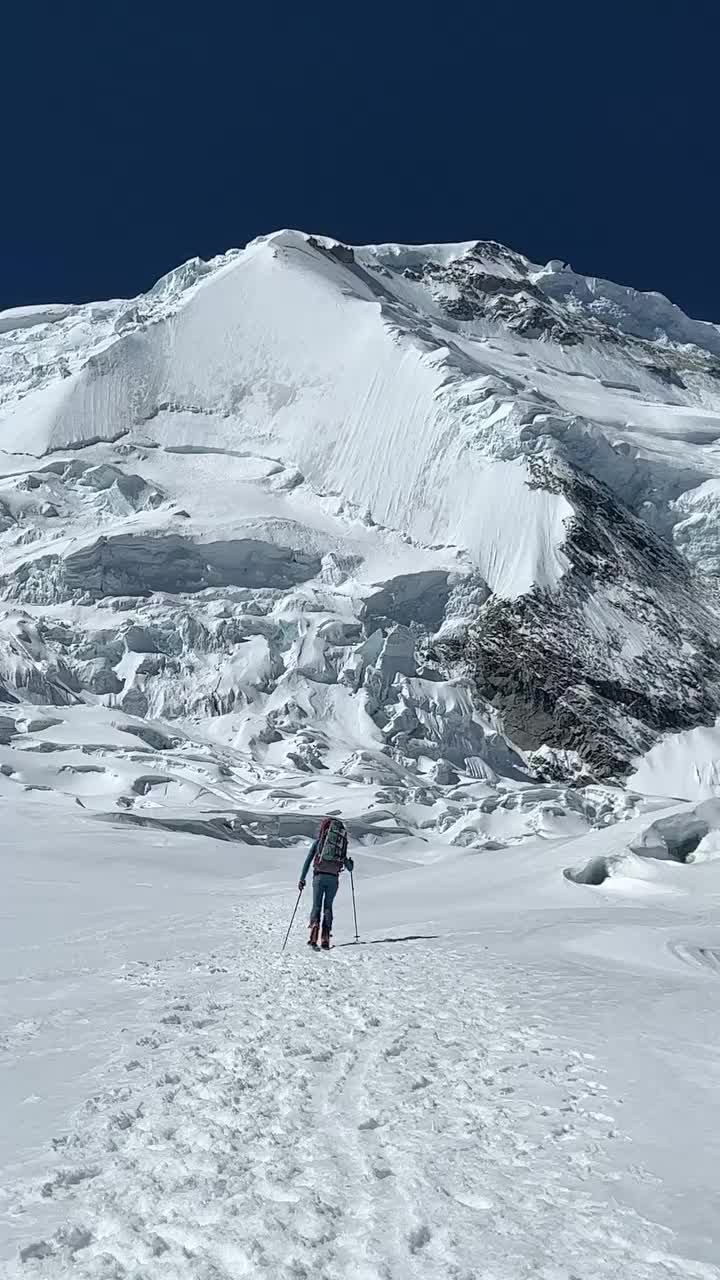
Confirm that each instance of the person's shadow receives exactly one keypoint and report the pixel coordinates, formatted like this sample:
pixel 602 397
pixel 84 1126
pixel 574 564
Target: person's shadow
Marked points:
pixel 374 942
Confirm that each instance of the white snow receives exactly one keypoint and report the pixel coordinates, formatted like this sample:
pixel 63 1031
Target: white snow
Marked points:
pixel 285 351
pixel 509 1079
pixel 234 514
pixel 686 765
pixel 355 404
pixel 28 317
pixel 646 315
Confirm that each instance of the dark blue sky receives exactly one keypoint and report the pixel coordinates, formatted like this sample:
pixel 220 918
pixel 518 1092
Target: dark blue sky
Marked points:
pixel 136 135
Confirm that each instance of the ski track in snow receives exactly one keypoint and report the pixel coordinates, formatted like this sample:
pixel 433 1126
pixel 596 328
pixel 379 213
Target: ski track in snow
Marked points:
pixel 381 1113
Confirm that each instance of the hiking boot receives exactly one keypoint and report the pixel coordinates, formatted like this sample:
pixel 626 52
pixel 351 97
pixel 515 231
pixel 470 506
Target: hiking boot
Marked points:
pixel 314 931
pixel 325 944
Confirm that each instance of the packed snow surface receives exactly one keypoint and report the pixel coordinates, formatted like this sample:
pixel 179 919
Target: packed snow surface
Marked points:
pixel 513 1075
pixel 243 520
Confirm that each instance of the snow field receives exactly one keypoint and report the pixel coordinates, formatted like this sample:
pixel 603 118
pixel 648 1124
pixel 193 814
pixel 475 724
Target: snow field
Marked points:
pixel 390 1117
pixel 488 1088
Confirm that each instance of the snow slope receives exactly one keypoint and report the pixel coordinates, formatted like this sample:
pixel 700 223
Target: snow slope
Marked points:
pixel 420 535
pixel 509 1079
pixel 358 408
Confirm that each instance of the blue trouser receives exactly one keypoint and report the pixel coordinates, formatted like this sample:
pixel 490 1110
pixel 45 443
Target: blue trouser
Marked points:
pixel 324 889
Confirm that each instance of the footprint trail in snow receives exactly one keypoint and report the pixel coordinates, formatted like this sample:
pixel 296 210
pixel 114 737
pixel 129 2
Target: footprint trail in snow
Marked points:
pixel 376 1114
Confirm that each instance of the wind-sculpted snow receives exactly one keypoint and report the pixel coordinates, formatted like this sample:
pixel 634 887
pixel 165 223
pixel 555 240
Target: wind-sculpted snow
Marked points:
pixel 357 401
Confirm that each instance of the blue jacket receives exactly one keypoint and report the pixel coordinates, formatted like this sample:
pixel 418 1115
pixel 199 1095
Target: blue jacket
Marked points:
pixel 313 850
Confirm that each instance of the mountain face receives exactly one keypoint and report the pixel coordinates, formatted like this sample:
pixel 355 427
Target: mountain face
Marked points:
pixel 402 515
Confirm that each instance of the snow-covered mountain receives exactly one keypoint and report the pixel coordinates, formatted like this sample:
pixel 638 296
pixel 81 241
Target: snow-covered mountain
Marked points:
pixel 426 536
pixel 222 497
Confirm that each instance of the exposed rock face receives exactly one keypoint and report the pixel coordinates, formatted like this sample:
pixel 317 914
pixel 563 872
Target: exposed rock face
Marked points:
pixel 627 647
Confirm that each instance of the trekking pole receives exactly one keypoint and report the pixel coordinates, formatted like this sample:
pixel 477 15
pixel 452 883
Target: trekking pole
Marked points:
pixel 352 886
pixel 292 919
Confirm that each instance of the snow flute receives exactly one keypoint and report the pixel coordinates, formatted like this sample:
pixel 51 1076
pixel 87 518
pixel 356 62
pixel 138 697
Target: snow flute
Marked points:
pixel 292 920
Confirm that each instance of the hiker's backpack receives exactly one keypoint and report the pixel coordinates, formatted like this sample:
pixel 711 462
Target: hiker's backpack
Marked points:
pixel 332 847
